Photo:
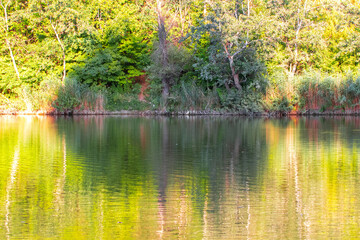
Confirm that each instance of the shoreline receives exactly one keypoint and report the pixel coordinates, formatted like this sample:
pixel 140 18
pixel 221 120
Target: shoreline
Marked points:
pixel 187 113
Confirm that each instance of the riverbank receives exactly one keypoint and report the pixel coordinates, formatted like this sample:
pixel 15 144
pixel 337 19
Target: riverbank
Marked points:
pixel 130 112
pixel 309 112
pixel 306 95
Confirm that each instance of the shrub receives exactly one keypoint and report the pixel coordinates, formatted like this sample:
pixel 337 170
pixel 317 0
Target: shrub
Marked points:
pixel 189 96
pixel 118 99
pixel 73 95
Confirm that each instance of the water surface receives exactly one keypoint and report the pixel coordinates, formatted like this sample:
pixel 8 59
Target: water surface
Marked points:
pixel 179 178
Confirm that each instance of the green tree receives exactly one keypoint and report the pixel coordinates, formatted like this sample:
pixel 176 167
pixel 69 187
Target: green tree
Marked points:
pixel 5 6
pixel 118 50
pixel 230 39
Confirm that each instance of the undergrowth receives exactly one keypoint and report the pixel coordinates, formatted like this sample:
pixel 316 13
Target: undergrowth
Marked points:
pixel 120 99
pixel 285 93
pixel 314 90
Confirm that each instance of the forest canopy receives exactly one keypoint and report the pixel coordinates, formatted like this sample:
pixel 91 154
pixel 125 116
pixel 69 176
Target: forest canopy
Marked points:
pixel 251 55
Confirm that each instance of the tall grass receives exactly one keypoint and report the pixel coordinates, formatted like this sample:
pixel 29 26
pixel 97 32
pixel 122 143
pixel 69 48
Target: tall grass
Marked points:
pixel 315 91
pixel 189 96
pixel 73 95
pixel 53 95
pixel 194 97
pixel 25 98
pixel 285 93
pixel 120 99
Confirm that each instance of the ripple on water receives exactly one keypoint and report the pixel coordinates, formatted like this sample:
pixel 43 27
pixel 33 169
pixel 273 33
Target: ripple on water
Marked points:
pixel 196 178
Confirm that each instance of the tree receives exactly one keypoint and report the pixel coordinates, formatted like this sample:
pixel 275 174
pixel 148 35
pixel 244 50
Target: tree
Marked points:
pixel 6 30
pixel 162 34
pixel 232 35
pixel 63 21
pixel 118 47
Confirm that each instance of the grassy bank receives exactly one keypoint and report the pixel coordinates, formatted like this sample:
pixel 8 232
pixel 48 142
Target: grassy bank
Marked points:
pixel 54 96
pixel 314 92
pixel 310 93
pixel 78 57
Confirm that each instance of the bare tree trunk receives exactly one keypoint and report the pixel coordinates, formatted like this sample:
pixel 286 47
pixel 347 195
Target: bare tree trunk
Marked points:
pixel 7 40
pixel 5 14
pixel 234 74
pixel 232 66
pixel 299 22
pixel 63 51
pixel 163 49
pixel 205 8
pixel 13 59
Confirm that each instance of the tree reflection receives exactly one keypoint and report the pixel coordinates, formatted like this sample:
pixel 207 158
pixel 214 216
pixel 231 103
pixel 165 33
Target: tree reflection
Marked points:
pixel 193 177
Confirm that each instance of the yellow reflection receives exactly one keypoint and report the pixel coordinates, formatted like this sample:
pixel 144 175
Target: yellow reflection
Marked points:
pixel 10 185
pixel 301 178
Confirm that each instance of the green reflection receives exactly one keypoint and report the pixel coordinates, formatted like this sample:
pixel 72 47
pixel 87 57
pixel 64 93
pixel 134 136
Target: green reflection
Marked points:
pixel 192 177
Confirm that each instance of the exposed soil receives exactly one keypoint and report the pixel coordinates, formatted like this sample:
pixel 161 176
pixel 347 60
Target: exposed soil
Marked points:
pixel 144 85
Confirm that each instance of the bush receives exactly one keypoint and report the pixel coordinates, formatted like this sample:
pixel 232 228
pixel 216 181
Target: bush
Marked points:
pixel 73 95
pixel 179 64
pixel 350 91
pixel 247 100
pixel 313 90
pixel 189 96
pixel 32 98
pixel 184 96
pixel 118 99
pixel 68 95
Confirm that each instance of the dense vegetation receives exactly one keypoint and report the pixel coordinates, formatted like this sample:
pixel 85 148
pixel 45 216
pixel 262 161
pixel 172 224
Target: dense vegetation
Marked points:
pixel 253 55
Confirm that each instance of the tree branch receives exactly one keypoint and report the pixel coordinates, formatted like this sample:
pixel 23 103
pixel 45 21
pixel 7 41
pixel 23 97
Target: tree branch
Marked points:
pixel 62 48
pixel 242 49
pixel 6 39
pixel 5 13
pixel 13 59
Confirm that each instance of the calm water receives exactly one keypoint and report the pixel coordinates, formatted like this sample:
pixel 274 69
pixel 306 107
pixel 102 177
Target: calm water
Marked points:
pixel 179 178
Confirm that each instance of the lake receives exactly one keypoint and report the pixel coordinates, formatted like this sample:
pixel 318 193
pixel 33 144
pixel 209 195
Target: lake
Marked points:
pixel 115 177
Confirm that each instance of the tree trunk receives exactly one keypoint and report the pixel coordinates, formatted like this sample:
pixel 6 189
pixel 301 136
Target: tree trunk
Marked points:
pixel 166 89
pixel 234 74
pixel 293 70
pixel 7 40
pixel 205 8
pixel 13 59
pixel 63 51
pixel 231 61
pixel 162 34
pixel 237 82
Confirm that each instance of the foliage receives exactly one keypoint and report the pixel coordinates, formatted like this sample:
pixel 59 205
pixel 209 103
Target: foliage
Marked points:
pixel 74 95
pixel 118 99
pixel 178 61
pixel 114 58
pixel 314 90
pixel 178 65
pixel 247 100
pixel 277 55
pixel 192 97
pixel 221 38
